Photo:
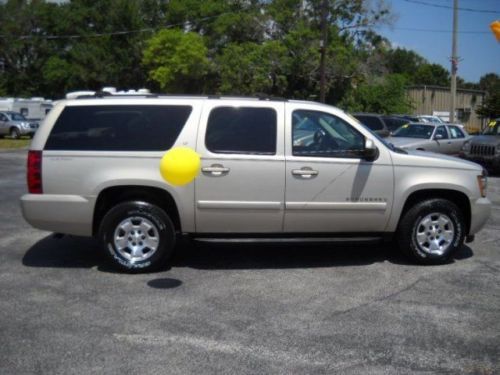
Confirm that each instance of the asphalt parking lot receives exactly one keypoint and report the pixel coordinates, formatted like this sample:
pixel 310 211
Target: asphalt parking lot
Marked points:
pixel 246 309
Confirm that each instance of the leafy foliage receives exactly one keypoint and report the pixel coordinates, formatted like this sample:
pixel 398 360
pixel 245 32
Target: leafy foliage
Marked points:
pixel 243 47
pixel 387 96
pixel 177 60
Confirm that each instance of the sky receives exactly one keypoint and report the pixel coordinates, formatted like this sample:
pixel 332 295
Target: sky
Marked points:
pixel 479 53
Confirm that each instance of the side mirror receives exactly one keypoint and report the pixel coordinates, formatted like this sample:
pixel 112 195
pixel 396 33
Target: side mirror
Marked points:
pixel 437 137
pixel 370 152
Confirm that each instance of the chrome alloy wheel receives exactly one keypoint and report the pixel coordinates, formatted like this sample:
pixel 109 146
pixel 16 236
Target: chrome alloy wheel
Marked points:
pixel 435 233
pixel 136 238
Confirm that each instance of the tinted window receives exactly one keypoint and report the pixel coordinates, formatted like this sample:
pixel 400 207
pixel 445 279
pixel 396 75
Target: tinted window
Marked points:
pixel 17 116
pixel 321 134
pixel 414 131
pixel 394 123
pixel 3 117
pixel 442 131
pixel 455 132
pixel 374 123
pixel 240 130
pixel 118 128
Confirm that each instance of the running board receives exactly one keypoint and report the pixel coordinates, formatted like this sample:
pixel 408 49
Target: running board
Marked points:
pixel 290 239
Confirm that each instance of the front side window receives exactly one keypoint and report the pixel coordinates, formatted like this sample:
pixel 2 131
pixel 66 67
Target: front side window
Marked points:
pixel 118 127
pixel 242 130
pixel 17 117
pixel 441 130
pixel 455 132
pixel 324 135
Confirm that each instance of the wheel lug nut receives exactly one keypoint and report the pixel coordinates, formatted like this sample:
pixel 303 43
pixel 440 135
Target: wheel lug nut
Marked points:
pixel 143 237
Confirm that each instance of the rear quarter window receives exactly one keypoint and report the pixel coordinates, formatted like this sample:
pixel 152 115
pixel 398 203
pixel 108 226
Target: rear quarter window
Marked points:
pixel 118 128
pixel 372 122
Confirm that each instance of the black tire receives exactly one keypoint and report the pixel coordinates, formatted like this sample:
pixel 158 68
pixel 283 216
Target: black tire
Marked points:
pixel 415 238
pixel 15 133
pixel 137 216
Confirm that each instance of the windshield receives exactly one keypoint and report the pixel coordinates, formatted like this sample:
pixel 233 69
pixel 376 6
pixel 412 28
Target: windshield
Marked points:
pixel 492 129
pixel 17 117
pixel 414 131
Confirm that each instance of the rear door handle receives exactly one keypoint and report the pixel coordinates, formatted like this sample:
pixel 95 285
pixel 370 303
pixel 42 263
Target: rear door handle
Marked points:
pixel 216 170
pixel 305 172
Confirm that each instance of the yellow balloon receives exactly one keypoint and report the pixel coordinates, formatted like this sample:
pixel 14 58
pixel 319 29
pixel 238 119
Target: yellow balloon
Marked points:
pixel 180 165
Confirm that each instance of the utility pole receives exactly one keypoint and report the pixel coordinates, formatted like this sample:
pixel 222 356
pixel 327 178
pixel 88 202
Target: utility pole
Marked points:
pixel 454 62
pixel 322 78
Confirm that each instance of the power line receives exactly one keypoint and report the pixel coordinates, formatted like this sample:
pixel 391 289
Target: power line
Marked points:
pixel 112 33
pixel 450 7
pixel 441 31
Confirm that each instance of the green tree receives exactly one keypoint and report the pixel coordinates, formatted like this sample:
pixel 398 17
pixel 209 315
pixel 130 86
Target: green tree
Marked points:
pixel 251 68
pixel 387 96
pixel 177 61
pixel 491 106
pixel 431 74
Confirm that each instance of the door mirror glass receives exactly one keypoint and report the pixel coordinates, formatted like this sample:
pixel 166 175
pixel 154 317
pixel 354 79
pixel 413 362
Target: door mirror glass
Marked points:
pixel 370 151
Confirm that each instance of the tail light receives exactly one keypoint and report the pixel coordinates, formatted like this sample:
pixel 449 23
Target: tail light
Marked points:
pixel 35 172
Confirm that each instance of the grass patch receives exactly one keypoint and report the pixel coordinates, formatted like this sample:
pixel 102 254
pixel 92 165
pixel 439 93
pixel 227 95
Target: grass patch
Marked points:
pixel 9 144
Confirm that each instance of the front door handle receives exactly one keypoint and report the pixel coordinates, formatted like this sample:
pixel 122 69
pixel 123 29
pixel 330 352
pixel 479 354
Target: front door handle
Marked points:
pixel 305 172
pixel 216 170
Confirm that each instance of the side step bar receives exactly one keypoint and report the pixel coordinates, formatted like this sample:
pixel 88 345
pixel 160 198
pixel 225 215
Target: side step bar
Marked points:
pixel 289 239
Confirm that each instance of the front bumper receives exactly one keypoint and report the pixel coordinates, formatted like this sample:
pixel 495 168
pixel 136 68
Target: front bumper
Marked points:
pixel 480 212
pixel 490 161
pixel 69 214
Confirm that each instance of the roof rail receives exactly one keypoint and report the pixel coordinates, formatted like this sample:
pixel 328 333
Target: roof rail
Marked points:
pixel 104 94
pixel 256 97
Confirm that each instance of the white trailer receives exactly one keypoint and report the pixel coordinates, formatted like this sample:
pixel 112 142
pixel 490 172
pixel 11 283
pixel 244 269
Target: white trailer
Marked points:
pixel 32 109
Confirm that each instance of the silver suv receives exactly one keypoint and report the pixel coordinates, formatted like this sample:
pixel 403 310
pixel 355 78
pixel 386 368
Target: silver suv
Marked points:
pixel 270 170
pixel 15 125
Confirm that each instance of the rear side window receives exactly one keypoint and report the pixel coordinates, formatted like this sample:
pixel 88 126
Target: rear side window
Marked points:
pixel 455 132
pixel 118 128
pixel 372 122
pixel 241 130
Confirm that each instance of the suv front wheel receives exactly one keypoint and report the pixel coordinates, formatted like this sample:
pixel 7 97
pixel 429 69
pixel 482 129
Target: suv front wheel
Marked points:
pixel 431 231
pixel 138 236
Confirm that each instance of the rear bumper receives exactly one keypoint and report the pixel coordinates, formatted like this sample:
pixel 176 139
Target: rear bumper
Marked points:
pixel 480 212
pixel 70 214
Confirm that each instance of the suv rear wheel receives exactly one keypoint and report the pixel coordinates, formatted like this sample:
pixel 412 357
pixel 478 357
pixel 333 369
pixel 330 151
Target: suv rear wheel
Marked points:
pixel 431 231
pixel 138 236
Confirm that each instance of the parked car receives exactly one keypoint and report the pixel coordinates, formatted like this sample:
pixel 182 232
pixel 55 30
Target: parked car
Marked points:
pixel 428 118
pixel 485 148
pixel 16 125
pixel 94 170
pixel 382 125
pixel 444 139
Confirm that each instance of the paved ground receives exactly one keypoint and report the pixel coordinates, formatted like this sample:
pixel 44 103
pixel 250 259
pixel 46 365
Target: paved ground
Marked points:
pixel 242 309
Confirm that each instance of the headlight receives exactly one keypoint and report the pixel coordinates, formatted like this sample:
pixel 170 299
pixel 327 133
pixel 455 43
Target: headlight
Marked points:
pixel 482 182
pixel 466 146
pixel 25 124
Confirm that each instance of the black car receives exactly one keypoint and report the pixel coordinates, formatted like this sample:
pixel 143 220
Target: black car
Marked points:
pixel 383 125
